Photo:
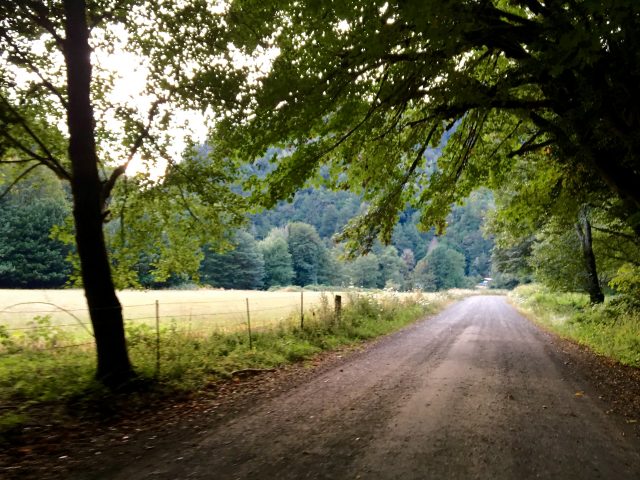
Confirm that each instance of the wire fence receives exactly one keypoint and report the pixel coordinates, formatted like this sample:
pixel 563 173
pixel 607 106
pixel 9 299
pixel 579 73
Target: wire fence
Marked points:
pixel 39 326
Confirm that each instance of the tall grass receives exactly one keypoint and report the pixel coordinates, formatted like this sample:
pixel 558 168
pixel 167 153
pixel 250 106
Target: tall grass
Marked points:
pixel 55 378
pixel 611 329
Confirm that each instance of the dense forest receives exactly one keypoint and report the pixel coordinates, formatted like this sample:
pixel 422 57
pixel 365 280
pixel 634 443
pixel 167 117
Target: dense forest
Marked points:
pixel 291 244
pixel 516 235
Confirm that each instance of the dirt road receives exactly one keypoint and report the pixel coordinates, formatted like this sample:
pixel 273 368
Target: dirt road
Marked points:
pixel 476 392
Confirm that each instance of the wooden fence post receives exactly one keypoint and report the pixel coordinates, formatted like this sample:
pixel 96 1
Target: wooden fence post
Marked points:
pixel 338 307
pixel 301 309
pixel 157 338
pixel 249 326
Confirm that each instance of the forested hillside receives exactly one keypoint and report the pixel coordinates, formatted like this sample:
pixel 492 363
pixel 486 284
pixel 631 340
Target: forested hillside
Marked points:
pixel 291 244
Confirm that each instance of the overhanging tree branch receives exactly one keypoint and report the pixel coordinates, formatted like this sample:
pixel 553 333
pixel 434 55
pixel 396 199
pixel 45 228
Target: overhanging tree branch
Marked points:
pixel 39 14
pixel 615 233
pixel 530 146
pixel 108 185
pixel 33 68
pixel 49 159
pixel 34 156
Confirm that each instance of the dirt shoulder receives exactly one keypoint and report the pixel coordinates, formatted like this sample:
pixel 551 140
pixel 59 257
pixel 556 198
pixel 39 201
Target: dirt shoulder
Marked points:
pixel 616 384
pixel 45 451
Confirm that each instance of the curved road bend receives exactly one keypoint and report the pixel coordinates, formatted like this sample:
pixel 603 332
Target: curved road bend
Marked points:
pixel 475 392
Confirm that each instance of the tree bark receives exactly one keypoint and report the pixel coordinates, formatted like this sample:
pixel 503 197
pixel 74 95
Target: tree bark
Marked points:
pixel 584 233
pixel 114 367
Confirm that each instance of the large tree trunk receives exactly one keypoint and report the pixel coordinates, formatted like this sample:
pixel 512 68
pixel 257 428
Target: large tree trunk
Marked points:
pixel 114 367
pixel 584 233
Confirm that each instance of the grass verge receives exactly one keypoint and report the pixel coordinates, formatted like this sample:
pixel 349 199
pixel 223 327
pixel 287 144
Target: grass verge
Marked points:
pixel 59 381
pixel 611 329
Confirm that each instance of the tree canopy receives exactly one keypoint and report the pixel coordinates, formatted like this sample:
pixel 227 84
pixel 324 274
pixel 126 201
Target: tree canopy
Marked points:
pixel 366 88
pixel 243 267
pixel 29 256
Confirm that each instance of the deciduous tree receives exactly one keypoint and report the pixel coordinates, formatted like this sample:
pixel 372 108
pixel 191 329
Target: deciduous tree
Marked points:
pixel 278 264
pixel 58 110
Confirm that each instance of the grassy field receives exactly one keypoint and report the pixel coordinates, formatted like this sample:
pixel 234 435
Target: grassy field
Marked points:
pixel 204 310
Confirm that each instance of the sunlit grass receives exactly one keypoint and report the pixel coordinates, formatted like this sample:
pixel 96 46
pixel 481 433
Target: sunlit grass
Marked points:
pixel 200 309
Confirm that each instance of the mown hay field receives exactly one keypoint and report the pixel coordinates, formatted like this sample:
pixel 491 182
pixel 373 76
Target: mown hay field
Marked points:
pixel 203 309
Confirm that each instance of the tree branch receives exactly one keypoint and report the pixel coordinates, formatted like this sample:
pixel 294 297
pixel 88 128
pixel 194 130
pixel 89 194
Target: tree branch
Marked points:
pixel 504 140
pixel 529 146
pixel 19 160
pixel 38 12
pixel 560 136
pixel 95 20
pixel 615 233
pixel 34 156
pixel 49 160
pixel 46 83
pixel 18 178
pixel 108 184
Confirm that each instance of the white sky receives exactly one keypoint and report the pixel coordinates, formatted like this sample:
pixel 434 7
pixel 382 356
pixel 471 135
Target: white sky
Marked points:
pixel 128 74
pixel 131 74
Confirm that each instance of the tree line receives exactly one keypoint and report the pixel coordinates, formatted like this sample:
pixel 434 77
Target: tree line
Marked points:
pixel 291 244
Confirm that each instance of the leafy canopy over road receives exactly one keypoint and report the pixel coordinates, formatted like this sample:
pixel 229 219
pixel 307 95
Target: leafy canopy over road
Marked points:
pixel 367 87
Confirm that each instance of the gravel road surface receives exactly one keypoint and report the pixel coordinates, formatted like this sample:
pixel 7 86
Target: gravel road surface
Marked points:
pixel 475 392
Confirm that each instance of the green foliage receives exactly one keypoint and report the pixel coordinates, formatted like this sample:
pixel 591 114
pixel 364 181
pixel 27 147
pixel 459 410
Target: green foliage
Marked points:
pixel 366 90
pixel 243 267
pixel 539 224
pixel 557 261
pixel 364 271
pixel 160 228
pixel 278 264
pixel 611 329
pixel 392 269
pixel 441 269
pixel 308 254
pixel 627 280
pixel 55 71
pixel 29 257
pixel 464 231
pixel 327 211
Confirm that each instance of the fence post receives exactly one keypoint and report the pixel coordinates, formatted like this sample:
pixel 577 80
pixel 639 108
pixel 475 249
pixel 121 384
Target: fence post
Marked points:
pixel 157 338
pixel 301 309
pixel 249 325
pixel 338 307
